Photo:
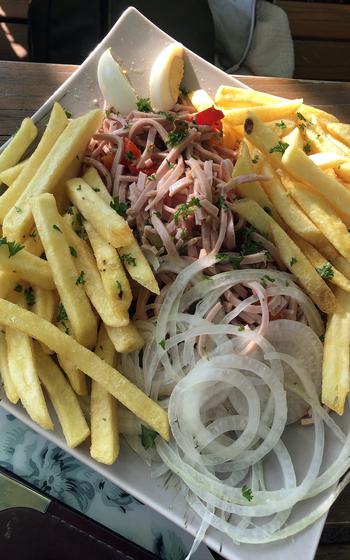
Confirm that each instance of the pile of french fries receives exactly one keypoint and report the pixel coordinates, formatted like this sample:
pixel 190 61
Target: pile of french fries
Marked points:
pixel 304 206
pixel 66 262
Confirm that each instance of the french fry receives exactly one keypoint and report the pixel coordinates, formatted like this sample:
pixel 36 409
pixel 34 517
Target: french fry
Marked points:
pixel 93 282
pixel 5 374
pixel 263 112
pixel 56 125
pixel 340 131
pixel 322 266
pixel 113 275
pixel 252 190
pixel 137 266
pixel 102 217
pixel 23 371
pixel 76 377
pixel 264 138
pixel 228 96
pixel 123 390
pixel 69 282
pixel 103 409
pixel 8 281
pixel 291 255
pixel 343 171
pixel 18 144
pixel 321 141
pixel 287 208
pixel 336 358
pixel 45 306
pixel 294 138
pixel 200 99
pixel 298 164
pixel 9 175
pixel 326 160
pixel 322 214
pixel 63 398
pixel 125 339
pixel 70 143
pixel 33 244
pixel 26 266
pixel 93 179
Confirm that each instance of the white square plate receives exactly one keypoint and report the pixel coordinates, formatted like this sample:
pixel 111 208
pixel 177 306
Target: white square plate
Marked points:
pixel 135 41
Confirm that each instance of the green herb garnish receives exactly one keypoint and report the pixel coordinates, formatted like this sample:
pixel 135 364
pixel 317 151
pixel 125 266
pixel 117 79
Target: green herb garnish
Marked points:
pixel 80 279
pixel 30 295
pixel 221 202
pixel 281 124
pixel 129 155
pixel 18 288
pixel 234 260
pixel 162 343
pixel 56 228
pixel 280 147
pixel 143 104
pixel 293 261
pixel 247 493
pixel 18 209
pixel 147 437
pixel 326 271
pixel 120 207
pixel 255 158
pixel 70 210
pixel 119 288
pixel 128 259
pixel 68 114
pixel 12 246
pixel 176 136
pixel 170 116
pixel 33 234
pixel 184 211
pixel 307 147
pixel 268 210
pixel 73 251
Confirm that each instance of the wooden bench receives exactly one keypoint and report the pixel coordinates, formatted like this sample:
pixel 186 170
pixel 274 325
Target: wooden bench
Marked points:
pixel 321 34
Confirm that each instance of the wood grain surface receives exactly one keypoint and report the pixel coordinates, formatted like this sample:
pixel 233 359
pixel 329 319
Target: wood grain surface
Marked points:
pixel 25 86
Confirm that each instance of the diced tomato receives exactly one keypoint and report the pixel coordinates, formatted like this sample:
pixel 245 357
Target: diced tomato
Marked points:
pixel 107 160
pixel 131 153
pixel 209 116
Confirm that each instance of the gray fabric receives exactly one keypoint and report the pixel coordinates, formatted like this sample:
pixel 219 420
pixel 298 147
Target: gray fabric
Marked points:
pixel 252 38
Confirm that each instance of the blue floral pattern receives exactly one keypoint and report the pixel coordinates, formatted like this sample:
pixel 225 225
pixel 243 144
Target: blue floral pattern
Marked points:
pixel 57 473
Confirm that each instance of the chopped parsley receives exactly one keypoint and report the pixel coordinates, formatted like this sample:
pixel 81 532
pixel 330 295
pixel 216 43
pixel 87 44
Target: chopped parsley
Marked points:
pixel 80 279
pixel 301 117
pixel 169 116
pixel 293 261
pixel 247 243
pixel 247 493
pixel 56 228
pixel 152 177
pixel 176 136
pixel 268 210
pixel 280 147
pixel 184 211
pixel 318 136
pixel 128 259
pixel 119 288
pixel 147 437
pixel 326 271
pixel 281 124
pixel 120 207
pixel 255 158
pixel 18 209
pixel 143 104
pixel 157 213
pixel 183 251
pixel 96 189
pixel 12 246
pixel 73 251
pixel 129 155
pixel 62 317
pixel 78 188
pixel 169 164
pixel 80 219
pixel 18 288
pixel 70 210
pixel 33 234
pixel 221 202
pixel 162 343
pixel 183 90
pixel 307 147
pixel 30 295
pixel 241 328
pixel 68 114
pixel 321 337
pixel 108 113
pixel 234 260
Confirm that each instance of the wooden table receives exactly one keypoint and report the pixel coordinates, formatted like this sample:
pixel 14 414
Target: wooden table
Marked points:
pixel 25 86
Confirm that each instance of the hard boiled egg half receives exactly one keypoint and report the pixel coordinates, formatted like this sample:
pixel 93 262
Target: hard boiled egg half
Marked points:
pixel 114 85
pixel 166 75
